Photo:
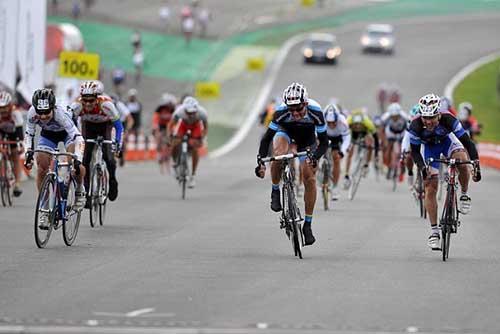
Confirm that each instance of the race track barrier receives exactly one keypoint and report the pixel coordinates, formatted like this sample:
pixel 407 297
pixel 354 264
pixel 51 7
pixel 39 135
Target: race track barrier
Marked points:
pixel 489 155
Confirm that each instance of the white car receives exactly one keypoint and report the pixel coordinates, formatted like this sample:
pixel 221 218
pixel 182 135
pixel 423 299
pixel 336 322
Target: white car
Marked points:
pixel 378 37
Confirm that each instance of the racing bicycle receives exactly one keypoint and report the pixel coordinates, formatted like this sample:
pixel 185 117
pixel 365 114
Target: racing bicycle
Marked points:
pixel 291 218
pixel 56 203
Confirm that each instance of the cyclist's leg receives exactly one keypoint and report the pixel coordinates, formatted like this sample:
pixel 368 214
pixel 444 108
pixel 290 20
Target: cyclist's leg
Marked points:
pixel 369 143
pixel 281 144
pixel 350 152
pixel 196 143
pixel 70 147
pixel 431 184
pixel 457 151
pixel 43 159
pixel 14 158
pixel 309 199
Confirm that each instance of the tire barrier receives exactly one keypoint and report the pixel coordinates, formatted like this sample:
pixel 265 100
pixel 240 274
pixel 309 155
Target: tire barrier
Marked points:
pixel 489 155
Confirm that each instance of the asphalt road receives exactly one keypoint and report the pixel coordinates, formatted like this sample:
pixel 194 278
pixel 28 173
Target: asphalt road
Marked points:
pixel 219 260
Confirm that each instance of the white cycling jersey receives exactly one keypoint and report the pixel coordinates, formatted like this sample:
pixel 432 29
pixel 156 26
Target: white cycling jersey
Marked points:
pixel 341 130
pixel 180 113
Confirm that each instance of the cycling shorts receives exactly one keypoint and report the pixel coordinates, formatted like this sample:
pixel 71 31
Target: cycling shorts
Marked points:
pixel 299 148
pixel 449 145
pixel 50 139
pixel 335 143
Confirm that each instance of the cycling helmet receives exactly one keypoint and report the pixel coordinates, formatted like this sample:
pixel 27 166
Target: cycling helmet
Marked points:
pixel 132 92
pixel 446 104
pixel 394 109
pixel 89 88
pixel 5 99
pixel 358 118
pixel 190 104
pixel 100 87
pixel 415 110
pixel 331 113
pixel 464 106
pixel 43 101
pixel 295 94
pixel 429 105
pixel 168 98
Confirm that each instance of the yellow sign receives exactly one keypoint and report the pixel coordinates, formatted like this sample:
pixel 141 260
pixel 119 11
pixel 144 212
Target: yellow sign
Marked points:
pixel 79 65
pixel 207 89
pixel 308 3
pixel 256 63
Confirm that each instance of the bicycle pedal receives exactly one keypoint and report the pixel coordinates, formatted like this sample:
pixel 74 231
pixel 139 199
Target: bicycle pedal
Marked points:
pixel 436 249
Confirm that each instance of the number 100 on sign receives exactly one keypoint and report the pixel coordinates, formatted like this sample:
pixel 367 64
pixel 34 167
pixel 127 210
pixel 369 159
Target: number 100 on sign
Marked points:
pixel 79 65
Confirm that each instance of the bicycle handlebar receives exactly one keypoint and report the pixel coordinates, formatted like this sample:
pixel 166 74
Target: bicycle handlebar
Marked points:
pixel 286 156
pixel 95 141
pixel 451 161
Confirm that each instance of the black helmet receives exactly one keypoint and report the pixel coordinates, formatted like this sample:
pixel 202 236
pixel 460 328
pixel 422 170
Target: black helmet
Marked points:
pixel 43 101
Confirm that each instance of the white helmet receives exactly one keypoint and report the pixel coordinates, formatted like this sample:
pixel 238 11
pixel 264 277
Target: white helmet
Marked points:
pixel 394 109
pixel 295 94
pixel 429 105
pixel 332 113
pixel 168 98
pixel 89 88
pixel 445 104
pixel 5 99
pixel 191 105
pixel 100 87
pixel 132 92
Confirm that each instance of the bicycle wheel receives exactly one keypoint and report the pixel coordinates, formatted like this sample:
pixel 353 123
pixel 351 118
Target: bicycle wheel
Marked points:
pixel 446 222
pixel 292 216
pixel 72 221
pixel 3 180
pixel 45 210
pixel 9 182
pixel 324 184
pixel 95 185
pixel 356 179
pixel 103 195
pixel 421 196
pixel 184 172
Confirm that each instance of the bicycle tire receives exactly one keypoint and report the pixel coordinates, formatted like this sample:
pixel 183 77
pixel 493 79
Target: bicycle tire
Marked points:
pixel 9 189
pixel 446 221
pixel 292 216
pixel 95 180
pixel 72 222
pixel 3 180
pixel 324 185
pixel 184 172
pixel 47 190
pixel 356 179
pixel 103 199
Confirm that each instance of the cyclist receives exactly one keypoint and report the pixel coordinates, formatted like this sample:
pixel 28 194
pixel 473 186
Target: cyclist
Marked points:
pixel 441 133
pixel 190 115
pixel 11 129
pixel 98 115
pixel 127 124
pixel 161 119
pixel 405 145
pixel 299 119
pixel 395 123
pixel 339 137
pixel 362 129
pixel 57 126
pixel 266 116
pixel 469 122
pixel 446 106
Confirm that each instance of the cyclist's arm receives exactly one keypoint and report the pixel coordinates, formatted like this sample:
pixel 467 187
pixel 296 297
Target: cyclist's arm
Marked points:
pixel 469 146
pixel 417 157
pixel 30 131
pixel 323 145
pixel 19 134
pixel 266 140
pixel 346 140
pixel 110 110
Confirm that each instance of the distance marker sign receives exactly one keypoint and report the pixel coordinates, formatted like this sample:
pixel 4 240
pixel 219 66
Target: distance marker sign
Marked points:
pixel 79 65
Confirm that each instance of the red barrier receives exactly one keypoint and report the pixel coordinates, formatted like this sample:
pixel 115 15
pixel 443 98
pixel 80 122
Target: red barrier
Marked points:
pixel 489 154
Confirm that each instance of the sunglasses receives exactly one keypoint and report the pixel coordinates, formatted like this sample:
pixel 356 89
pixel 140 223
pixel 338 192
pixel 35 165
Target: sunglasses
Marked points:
pixel 430 118
pixel 91 100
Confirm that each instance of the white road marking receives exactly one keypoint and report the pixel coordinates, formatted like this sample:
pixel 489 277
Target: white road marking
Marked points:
pixel 139 312
pixel 92 322
pixel 412 329
pixel 262 325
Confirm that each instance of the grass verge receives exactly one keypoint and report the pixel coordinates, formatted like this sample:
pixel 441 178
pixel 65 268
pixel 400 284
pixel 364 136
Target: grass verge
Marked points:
pixel 480 89
pixel 218 135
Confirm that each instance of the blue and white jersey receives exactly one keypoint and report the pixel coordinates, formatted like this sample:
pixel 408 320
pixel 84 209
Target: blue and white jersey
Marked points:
pixel 59 122
pixel 302 131
pixel 447 124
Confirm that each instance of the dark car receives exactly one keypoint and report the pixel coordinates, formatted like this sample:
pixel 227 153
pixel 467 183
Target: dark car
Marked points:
pixel 321 48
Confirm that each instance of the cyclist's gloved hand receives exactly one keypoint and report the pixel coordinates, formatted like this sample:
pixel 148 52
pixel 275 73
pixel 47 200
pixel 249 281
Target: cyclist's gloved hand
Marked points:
pixel 476 176
pixel 260 170
pixel 76 166
pixel 28 159
pixel 341 154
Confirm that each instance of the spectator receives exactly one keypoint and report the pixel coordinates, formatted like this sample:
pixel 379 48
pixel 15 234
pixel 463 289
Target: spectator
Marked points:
pixel 76 10
pixel 136 40
pixel 395 95
pixel 135 108
pixel 118 77
pixel 187 26
pixel 164 14
pixel 138 60
pixel 204 16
